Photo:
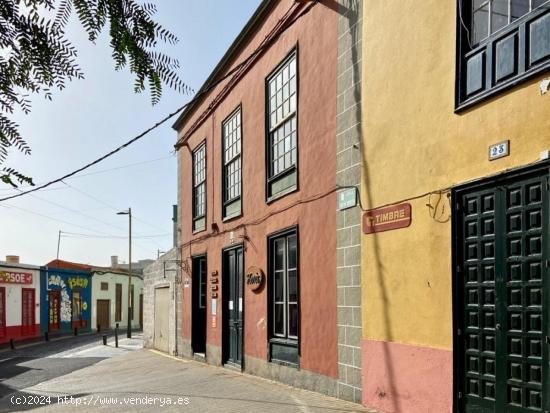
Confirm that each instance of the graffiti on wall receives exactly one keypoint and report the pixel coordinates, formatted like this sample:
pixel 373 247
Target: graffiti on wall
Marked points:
pixel 78 282
pixel 65 309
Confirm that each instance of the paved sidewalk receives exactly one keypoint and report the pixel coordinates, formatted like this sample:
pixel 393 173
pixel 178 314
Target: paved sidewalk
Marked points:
pixel 30 365
pixel 148 381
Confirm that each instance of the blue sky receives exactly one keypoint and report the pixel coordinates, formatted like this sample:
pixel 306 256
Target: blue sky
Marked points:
pixel 91 117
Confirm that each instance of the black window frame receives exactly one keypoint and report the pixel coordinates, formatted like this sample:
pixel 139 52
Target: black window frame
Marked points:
pixel 498 62
pixel 228 202
pixel 197 218
pixel 274 178
pixel 283 349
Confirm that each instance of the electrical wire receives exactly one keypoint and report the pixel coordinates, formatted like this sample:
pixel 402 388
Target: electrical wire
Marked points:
pixel 100 172
pixel 137 236
pixel 76 211
pixel 54 219
pixel 101 234
pixel 164 119
pixel 262 219
pixel 76 234
pixel 98 160
pixel 275 32
pixel 114 208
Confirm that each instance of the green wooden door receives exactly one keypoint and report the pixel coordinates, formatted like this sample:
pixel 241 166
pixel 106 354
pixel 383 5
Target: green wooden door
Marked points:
pixel 233 314
pixel 501 256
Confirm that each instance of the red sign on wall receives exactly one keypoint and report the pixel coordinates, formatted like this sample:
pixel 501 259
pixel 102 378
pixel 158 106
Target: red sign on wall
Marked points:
pixel 386 219
pixel 12 277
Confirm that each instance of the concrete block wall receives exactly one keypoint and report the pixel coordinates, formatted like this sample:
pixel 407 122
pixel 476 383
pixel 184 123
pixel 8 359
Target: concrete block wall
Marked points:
pixel 348 222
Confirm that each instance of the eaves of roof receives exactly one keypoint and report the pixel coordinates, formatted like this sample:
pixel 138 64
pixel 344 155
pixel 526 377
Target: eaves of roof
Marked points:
pixel 253 23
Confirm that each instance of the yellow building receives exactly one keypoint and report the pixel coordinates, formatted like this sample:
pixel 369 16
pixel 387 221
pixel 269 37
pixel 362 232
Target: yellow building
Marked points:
pixel 456 302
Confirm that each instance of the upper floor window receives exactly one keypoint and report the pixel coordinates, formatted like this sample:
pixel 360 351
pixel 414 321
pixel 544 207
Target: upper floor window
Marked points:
pixel 489 16
pixel 231 189
pixel 282 115
pixel 501 42
pixel 199 188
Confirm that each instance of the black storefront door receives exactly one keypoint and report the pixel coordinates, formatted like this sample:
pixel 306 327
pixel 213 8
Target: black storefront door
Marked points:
pixel 233 306
pixel 501 281
pixel 198 302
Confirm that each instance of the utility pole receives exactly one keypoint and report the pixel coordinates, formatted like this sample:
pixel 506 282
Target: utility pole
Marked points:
pixel 130 308
pixel 58 242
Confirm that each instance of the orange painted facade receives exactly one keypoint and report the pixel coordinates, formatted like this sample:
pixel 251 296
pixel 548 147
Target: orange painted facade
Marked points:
pixel 311 208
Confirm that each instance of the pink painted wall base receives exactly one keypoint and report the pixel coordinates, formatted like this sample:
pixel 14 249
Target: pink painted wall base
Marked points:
pixel 401 378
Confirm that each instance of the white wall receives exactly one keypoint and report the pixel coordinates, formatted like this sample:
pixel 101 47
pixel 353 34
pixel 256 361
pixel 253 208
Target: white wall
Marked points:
pixel 14 296
pixel 110 294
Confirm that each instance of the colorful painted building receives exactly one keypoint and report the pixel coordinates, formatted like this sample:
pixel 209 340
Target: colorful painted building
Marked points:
pixel 66 297
pixel 257 206
pixel 19 300
pixel 456 133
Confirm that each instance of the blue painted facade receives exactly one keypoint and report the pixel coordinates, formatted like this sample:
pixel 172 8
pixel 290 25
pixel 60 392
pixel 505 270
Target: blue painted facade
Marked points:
pixel 65 300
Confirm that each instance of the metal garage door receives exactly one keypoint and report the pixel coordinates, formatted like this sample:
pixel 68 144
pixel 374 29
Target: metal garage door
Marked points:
pixel 501 266
pixel 162 311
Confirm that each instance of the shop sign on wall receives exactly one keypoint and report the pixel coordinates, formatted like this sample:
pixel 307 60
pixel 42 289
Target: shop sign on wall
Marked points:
pixel 12 277
pixel 254 278
pixel 387 219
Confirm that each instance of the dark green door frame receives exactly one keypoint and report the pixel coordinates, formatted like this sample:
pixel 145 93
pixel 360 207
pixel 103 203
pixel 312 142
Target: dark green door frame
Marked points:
pixel 233 306
pixel 519 324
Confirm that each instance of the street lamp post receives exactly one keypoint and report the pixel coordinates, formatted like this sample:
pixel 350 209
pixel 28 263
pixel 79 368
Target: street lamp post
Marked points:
pixel 130 309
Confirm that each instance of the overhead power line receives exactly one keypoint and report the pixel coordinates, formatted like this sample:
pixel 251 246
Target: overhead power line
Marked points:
pixel 264 45
pixel 76 235
pixel 106 235
pixel 101 171
pixel 28 211
pixel 114 208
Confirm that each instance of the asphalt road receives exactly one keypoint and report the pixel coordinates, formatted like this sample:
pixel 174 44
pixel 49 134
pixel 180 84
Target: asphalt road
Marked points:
pixel 25 367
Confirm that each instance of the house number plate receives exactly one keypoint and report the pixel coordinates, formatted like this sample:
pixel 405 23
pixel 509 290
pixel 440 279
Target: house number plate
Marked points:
pixel 499 150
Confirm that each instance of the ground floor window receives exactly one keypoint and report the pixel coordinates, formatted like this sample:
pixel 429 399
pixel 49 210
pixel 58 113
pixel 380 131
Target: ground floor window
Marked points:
pixel 284 297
